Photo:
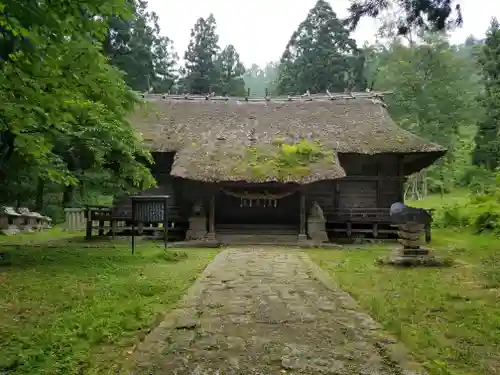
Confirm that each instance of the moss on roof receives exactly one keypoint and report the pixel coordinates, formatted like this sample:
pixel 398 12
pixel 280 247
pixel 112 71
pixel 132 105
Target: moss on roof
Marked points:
pixel 211 137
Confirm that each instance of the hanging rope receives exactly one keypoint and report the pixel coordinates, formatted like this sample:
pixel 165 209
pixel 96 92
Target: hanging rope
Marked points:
pixel 268 200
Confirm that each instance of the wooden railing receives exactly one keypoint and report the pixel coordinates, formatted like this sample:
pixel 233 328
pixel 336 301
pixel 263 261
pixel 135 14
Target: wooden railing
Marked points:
pixel 102 219
pixel 360 215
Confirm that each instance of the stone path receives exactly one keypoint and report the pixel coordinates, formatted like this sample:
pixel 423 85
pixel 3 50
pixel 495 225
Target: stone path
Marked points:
pixel 267 311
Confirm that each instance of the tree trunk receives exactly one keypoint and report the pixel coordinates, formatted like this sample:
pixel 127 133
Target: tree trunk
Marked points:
pixel 39 195
pixel 68 195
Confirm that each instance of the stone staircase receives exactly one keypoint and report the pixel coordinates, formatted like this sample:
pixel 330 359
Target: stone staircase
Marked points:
pixel 255 234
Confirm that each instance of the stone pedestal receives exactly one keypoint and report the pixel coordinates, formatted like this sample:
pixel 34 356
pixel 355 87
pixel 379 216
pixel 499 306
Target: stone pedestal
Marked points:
pixel 211 237
pixel 409 256
pixel 302 238
pixel 197 228
pixel 411 253
pixel 410 235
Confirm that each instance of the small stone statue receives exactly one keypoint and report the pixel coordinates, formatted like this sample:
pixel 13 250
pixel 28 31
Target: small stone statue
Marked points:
pixel 397 208
pixel 316 212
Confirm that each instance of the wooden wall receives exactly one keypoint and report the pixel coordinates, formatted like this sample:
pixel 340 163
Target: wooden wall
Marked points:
pixel 167 185
pixel 372 181
pixel 229 210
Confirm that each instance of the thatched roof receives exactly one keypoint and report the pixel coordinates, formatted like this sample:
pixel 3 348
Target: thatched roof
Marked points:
pixel 210 136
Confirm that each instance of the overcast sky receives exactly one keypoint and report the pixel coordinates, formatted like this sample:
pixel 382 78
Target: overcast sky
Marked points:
pixel 260 29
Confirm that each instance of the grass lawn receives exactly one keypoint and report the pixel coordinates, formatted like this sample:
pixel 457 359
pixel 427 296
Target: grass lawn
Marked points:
pixel 437 201
pixel 449 318
pixel 70 307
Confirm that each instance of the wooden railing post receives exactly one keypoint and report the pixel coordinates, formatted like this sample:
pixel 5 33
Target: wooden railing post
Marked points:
pixel 211 219
pixel 302 228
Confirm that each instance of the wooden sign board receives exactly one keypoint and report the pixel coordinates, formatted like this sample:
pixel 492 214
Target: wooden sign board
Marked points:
pixel 151 210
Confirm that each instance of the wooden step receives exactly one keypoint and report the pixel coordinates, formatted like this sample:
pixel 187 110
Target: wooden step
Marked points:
pixel 256 234
pixel 257 239
pixel 256 229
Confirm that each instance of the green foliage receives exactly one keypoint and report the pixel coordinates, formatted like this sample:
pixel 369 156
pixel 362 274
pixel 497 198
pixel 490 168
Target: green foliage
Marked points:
pixel 425 79
pixel 435 90
pixel 477 211
pixel 435 15
pixel 258 79
pixel 320 56
pixel 173 256
pixel 201 75
pixel 283 160
pixel 487 151
pixel 135 46
pixel 231 72
pixel 63 108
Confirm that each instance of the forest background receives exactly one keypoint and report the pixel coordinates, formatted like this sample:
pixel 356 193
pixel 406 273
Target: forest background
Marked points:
pixel 70 75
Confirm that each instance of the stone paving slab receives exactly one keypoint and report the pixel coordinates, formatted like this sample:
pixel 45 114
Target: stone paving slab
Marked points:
pixel 263 312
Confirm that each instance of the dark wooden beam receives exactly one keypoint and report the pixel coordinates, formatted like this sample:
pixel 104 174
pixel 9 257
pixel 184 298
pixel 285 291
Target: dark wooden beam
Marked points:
pixel 302 214
pixel 401 178
pixel 211 217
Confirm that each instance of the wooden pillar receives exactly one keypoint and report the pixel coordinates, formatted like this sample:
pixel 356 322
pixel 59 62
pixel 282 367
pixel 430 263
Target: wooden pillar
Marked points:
pixel 302 213
pixel 336 203
pixel 211 228
pixel 211 218
pixel 302 228
pixel 401 175
pixel 101 228
pixel 428 236
pixel 377 188
pixel 88 215
pixel 379 165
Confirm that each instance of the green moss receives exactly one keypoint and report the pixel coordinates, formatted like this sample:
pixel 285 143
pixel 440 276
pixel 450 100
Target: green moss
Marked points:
pixel 281 160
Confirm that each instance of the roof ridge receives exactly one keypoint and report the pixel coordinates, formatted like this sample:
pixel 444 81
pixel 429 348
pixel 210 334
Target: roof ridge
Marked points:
pixel 375 95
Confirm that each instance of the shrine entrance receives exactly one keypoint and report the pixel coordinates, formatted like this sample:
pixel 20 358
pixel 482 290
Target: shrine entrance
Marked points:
pixel 258 205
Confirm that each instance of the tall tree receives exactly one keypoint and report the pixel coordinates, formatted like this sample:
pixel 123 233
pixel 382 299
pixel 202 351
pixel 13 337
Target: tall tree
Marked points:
pixel 63 108
pixel 430 15
pixel 231 72
pixel 434 95
pixel 434 89
pixel 135 46
pixel 487 151
pixel 201 71
pixel 258 79
pixel 320 55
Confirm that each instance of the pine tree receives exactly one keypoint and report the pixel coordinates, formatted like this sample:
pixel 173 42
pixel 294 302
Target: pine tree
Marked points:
pixel 435 15
pixel 487 151
pixel 135 46
pixel 201 72
pixel 320 55
pixel 231 72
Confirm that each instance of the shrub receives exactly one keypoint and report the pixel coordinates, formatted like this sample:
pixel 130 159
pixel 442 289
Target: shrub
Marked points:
pixel 481 212
pixel 174 256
